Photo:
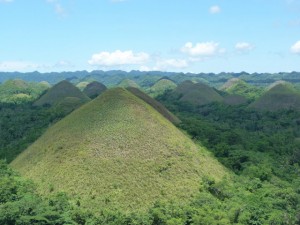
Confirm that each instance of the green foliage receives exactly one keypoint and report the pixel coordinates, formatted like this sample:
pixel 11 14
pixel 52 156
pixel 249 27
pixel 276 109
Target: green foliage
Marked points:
pixel 160 87
pixel 239 87
pixel 260 147
pixel 21 125
pixel 18 91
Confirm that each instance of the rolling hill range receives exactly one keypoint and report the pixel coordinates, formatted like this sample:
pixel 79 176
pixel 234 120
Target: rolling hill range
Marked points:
pixel 236 86
pixel 17 91
pixel 197 93
pixel 278 97
pixel 117 152
pixel 63 95
pixel 94 89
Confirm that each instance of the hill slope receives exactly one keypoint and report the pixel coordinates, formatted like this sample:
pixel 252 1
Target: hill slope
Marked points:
pixel 161 86
pixel 128 83
pixel 197 94
pixel 94 89
pixel 155 104
pixel 280 96
pixel 60 94
pixel 117 151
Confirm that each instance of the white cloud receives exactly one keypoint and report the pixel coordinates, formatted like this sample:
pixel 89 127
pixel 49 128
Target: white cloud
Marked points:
pixel 172 63
pixel 118 58
pixel 243 46
pixel 6 1
pixel 296 48
pixel 204 49
pixel 215 9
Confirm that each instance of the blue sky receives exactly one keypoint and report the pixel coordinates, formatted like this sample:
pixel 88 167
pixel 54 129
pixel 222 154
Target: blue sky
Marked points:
pixel 178 35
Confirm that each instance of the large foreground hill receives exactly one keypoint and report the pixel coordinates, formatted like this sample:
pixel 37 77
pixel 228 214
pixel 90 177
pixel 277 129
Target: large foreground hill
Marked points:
pixel 117 151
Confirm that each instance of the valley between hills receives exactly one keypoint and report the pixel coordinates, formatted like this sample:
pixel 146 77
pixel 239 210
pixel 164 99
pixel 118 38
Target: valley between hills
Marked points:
pixel 149 148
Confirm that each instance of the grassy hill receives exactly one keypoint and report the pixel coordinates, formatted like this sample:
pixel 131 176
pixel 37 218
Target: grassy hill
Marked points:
pixel 82 85
pixel 155 104
pixel 117 151
pixel 128 83
pixel 197 94
pixel 94 89
pixel 161 86
pixel 18 91
pixel 64 95
pixel 280 96
pixel 236 86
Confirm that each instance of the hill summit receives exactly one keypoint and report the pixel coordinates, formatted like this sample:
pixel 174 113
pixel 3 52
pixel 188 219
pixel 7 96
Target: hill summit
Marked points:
pixel 161 86
pixel 63 95
pixel 282 95
pixel 197 93
pixel 117 151
pixel 94 89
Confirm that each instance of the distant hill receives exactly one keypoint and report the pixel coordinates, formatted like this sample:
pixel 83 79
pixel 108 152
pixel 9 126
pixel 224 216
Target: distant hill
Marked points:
pixel 82 85
pixel 280 96
pixel 155 104
pixel 285 83
pixel 128 83
pixel 65 95
pixel 147 78
pixel 117 152
pixel 94 89
pixel 18 91
pixel 197 93
pixel 161 86
pixel 236 86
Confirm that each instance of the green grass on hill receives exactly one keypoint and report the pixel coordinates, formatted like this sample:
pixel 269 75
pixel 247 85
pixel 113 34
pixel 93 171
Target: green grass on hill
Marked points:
pixel 82 85
pixel 155 104
pixel 94 89
pixel 60 93
pixel 128 83
pixel 280 96
pixel 198 94
pixel 161 86
pixel 118 152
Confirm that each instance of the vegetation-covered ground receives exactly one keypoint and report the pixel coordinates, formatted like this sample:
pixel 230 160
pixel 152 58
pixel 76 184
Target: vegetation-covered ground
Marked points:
pixel 260 148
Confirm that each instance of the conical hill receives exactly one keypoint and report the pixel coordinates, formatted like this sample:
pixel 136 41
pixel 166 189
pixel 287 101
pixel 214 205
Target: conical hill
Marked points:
pixel 281 96
pixel 117 151
pixel 198 93
pixel 94 89
pixel 61 93
pixel 161 86
pixel 128 83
